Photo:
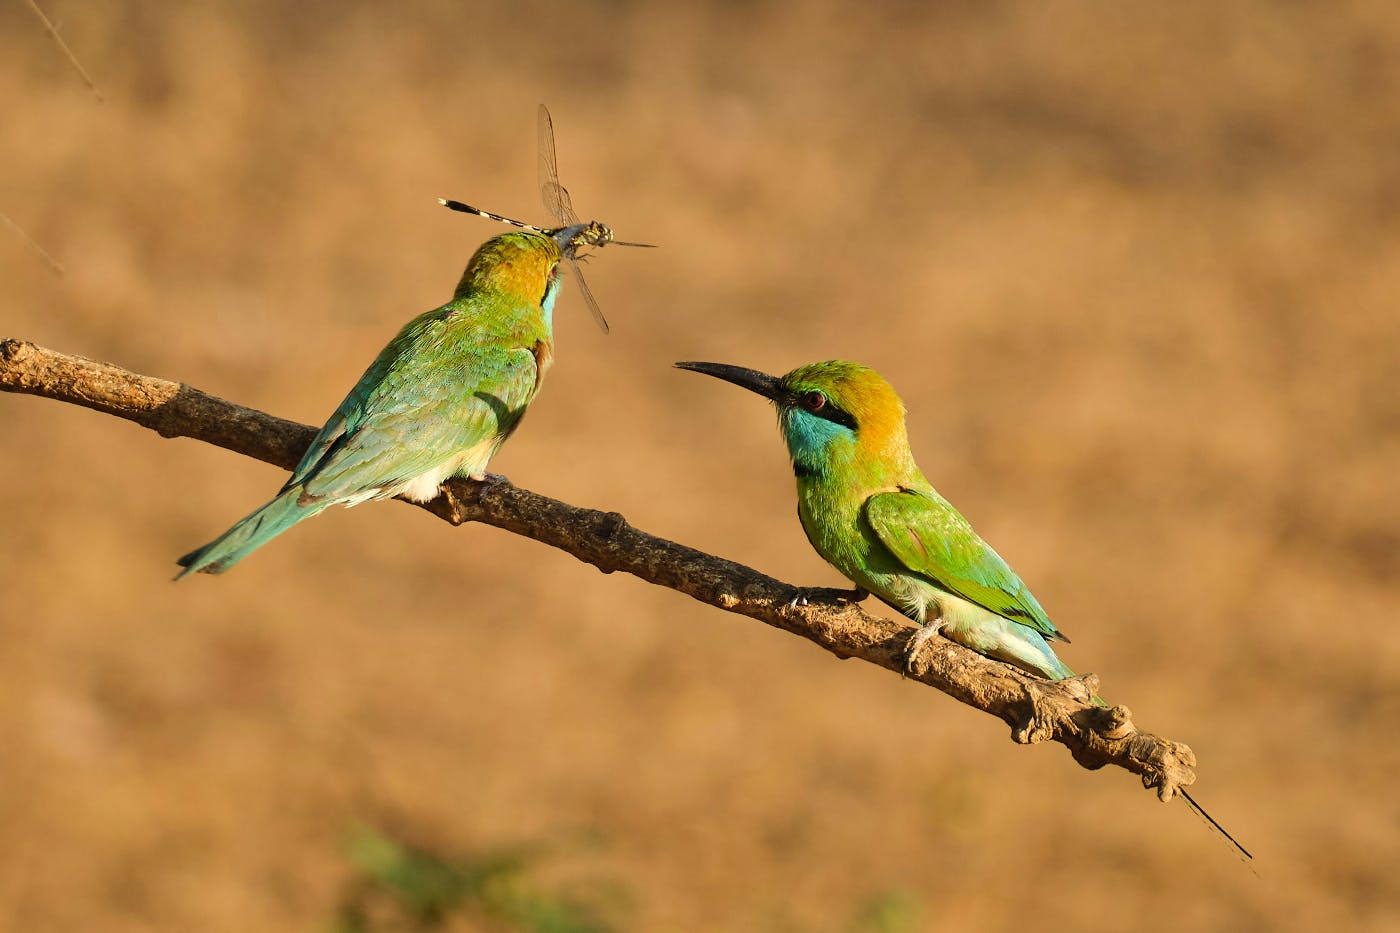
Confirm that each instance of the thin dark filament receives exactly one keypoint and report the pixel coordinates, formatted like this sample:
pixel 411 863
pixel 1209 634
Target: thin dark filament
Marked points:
pixel 1210 820
pixel 52 30
pixel 32 244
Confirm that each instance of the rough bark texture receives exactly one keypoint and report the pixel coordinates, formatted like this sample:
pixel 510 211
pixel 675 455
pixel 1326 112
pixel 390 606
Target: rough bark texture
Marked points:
pixel 1036 710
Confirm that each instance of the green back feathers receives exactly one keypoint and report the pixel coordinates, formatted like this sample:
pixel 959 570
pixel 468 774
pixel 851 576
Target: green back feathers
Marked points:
pixel 931 538
pixel 452 379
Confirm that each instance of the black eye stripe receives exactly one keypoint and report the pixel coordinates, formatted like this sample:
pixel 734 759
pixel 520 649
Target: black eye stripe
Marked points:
pixel 836 415
pixel 828 411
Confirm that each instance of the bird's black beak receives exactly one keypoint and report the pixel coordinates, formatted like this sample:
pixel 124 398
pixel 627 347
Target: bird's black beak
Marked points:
pixel 765 385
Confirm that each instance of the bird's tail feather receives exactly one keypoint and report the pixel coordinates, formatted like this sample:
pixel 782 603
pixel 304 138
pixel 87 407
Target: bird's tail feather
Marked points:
pixel 249 534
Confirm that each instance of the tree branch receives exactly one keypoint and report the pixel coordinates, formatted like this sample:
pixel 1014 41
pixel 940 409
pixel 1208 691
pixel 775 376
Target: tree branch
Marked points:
pixel 1037 710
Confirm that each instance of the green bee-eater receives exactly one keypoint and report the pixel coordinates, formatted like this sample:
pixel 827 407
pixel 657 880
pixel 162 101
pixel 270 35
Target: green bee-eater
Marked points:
pixel 869 511
pixel 437 402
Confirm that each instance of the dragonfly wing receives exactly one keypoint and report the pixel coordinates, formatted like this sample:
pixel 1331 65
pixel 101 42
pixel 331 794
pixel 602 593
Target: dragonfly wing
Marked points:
pixel 556 197
pixel 558 203
pixel 588 298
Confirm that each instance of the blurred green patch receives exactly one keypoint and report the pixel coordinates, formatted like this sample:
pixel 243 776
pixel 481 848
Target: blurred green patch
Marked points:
pixel 402 887
pixel 888 912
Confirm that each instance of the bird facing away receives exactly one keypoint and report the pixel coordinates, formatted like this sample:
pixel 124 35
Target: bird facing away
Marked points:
pixel 437 402
pixel 872 515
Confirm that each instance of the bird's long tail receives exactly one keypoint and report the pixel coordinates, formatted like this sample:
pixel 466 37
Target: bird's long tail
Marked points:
pixel 249 534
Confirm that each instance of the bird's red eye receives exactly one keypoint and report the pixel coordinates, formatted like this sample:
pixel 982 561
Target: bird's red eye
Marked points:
pixel 814 401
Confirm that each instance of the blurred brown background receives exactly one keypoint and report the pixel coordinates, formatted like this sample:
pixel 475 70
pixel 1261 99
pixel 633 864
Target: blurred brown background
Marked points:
pixel 1133 268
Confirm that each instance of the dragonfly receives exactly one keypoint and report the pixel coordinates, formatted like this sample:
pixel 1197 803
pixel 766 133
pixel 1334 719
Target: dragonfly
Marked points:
pixel 572 234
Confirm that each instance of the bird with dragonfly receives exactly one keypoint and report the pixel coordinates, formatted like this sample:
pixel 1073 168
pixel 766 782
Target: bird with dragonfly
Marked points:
pixel 443 396
pixel 447 392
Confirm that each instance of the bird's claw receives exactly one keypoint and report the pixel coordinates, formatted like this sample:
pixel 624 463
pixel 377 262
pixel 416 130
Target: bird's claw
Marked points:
pixel 799 600
pixel 916 644
pixel 484 477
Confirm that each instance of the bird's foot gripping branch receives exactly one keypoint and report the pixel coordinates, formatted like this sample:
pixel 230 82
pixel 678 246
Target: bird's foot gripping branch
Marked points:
pixel 1035 709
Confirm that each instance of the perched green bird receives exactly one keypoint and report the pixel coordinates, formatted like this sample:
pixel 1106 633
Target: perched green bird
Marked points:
pixel 437 402
pixel 869 511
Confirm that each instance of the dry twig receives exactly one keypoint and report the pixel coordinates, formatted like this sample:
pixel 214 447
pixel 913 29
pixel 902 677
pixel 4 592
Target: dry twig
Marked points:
pixel 1036 710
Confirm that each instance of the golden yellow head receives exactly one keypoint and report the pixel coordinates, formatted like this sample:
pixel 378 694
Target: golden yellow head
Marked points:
pixel 851 395
pixel 521 263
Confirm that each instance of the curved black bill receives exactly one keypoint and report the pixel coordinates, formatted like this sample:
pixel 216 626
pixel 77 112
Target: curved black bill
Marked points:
pixel 765 385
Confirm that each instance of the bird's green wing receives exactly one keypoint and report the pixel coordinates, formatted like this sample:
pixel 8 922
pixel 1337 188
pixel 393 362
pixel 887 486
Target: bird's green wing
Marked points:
pixel 927 535
pixel 432 393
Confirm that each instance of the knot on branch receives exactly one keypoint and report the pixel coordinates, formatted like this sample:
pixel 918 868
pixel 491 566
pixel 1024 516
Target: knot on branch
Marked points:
pixel 15 350
pixel 1036 722
pixel 1073 706
pixel 609 524
pixel 1172 765
pixel 457 501
pixel 1105 730
pixel 1115 722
